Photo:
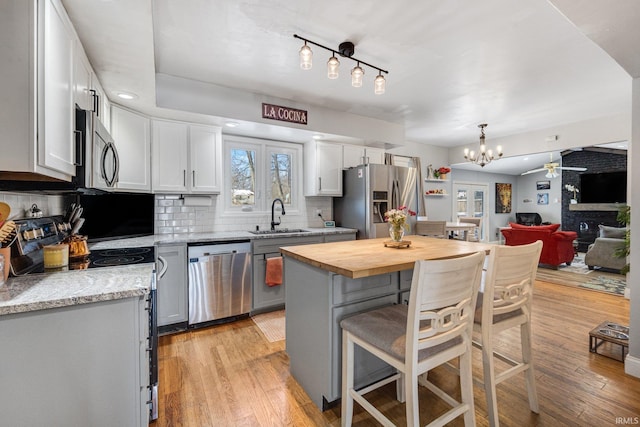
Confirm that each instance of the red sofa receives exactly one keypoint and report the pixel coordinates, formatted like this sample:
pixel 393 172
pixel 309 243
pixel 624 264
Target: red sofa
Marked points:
pixel 557 246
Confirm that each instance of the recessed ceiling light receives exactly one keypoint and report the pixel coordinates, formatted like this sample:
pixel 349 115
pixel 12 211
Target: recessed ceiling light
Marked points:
pixel 317 136
pixel 127 95
pixel 231 124
pixel 525 159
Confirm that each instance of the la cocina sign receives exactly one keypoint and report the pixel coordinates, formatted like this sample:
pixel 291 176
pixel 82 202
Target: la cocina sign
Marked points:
pixel 284 114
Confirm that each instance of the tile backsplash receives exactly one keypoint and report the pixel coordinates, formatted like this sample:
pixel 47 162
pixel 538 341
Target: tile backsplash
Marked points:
pixel 175 214
pixel 20 203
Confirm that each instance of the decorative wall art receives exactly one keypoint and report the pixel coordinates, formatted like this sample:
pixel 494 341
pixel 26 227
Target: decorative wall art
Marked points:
pixel 503 197
pixel 543 198
pixel 543 185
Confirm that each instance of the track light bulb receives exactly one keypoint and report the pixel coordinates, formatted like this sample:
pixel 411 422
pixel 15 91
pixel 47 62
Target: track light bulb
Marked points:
pixel 305 57
pixel 379 84
pixel 332 67
pixel 356 76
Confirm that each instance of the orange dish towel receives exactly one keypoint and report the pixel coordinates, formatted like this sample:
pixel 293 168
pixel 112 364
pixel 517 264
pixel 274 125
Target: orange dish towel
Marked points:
pixel 273 276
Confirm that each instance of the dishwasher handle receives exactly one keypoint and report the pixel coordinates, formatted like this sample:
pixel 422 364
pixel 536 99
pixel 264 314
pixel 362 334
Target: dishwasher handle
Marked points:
pixel 221 253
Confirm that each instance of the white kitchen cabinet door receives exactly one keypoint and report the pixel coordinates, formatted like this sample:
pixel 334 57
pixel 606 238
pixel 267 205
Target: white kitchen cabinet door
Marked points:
pixel 375 155
pixel 170 156
pixel 131 136
pixel 56 139
pixel 323 169
pixel 352 155
pixel 205 154
pixel 82 79
pixel 102 106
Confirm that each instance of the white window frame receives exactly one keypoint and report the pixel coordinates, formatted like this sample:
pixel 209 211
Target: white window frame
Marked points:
pixel 263 197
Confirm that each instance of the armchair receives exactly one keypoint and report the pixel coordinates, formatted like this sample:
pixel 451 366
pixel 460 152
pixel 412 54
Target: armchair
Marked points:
pixel 557 246
pixel 601 252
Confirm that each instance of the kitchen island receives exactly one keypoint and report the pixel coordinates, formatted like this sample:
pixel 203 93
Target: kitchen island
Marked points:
pixel 328 282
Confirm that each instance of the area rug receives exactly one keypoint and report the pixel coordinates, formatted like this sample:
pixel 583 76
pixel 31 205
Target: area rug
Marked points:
pixel 605 284
pixel 577 266
pixel 272 325
pixel 578 275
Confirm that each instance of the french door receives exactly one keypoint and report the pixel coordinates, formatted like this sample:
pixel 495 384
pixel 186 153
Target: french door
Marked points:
pixel 471 200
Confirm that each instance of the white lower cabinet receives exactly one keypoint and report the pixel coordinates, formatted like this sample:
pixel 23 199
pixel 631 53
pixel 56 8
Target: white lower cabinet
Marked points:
pixel 172 285
pixel 82 365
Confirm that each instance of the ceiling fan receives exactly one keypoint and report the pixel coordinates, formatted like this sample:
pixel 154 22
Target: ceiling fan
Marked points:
pixel 552 167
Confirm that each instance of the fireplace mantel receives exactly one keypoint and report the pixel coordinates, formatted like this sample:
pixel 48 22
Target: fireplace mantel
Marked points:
pixel 596 206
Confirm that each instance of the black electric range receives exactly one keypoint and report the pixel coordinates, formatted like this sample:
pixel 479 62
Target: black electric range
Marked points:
pixel 35 233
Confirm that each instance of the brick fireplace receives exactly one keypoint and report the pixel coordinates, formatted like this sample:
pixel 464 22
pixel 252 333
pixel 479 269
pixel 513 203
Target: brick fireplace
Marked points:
pixel 585 220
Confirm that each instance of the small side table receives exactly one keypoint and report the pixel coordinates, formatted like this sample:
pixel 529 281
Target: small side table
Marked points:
pixel 609 332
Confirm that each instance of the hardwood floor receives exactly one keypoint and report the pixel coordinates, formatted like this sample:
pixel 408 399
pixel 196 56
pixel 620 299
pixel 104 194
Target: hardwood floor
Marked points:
pixel 230 375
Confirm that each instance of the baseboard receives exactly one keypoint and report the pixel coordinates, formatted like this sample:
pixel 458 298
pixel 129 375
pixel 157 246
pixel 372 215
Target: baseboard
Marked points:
pixel 632 366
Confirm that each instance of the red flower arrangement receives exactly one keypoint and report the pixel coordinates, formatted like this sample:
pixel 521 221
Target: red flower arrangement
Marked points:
pixel 443 170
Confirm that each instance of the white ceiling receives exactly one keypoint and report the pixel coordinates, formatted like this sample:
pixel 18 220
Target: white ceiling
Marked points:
pixel 518 66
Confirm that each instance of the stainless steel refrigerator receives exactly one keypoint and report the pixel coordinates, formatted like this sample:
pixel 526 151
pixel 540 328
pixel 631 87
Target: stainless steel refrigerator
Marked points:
pixel 368 192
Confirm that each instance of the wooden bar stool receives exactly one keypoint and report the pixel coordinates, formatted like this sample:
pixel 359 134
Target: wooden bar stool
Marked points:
pixel 435 327
pixel 505 303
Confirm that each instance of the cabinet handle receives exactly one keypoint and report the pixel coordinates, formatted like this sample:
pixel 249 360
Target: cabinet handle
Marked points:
pixel 319 183
pixel 79 148
pixel 94 94
pixel 184 177
pixel 193 178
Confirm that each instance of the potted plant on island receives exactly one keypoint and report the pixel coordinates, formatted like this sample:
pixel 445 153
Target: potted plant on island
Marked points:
pixel 397 219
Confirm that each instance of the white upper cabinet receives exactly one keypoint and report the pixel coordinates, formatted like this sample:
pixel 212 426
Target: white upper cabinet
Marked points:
pixel 82 77
pixel 354 155
pixel 205 149
pixel 169 151
pixel 132 138
pixel 56 118
pixel 187 158
pixel 322 169
pixel 102 106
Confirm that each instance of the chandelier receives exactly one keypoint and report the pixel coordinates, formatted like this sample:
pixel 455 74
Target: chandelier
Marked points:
pixel 484 156
pixel 346 50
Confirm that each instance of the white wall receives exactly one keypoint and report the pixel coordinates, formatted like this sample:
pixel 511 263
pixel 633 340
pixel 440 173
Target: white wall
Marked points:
pixel 632 363
pixel 439 208
pixel 527 200
pixel 495 219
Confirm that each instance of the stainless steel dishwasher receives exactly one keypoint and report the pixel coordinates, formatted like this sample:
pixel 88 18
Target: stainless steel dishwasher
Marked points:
pixel 219 281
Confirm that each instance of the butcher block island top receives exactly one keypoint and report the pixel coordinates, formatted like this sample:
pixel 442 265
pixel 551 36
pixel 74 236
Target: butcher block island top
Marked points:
pixel 369 257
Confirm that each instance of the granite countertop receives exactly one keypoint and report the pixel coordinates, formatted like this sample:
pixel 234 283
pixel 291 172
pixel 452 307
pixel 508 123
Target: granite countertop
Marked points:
pixel 218 236
pixel 72 287
pixel 64 288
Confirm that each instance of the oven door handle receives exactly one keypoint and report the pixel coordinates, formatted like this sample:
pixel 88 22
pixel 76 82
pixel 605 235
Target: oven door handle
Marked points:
pixel 163 270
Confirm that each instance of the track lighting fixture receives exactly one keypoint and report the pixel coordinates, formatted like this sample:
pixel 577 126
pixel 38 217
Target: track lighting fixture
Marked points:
pixel 484 157
pixel 305 57
pixel 346 50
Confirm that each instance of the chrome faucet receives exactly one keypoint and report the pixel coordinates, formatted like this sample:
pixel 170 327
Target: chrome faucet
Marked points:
pixel 273 205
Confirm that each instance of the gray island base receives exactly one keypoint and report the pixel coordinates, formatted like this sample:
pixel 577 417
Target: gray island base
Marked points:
pixel 328 282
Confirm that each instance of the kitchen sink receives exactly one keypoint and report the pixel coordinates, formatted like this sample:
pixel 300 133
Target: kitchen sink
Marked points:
pixel 280 231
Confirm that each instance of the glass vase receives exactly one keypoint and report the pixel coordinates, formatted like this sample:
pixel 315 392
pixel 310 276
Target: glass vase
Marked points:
pixel 396 232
